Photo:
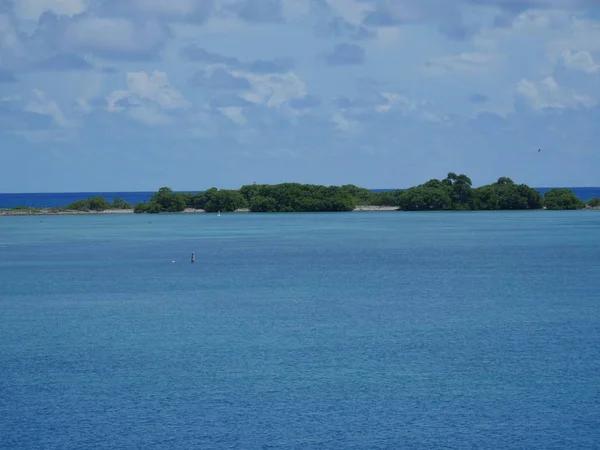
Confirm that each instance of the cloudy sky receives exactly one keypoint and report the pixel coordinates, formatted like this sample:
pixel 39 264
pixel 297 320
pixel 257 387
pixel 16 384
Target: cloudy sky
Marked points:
pixel 100 95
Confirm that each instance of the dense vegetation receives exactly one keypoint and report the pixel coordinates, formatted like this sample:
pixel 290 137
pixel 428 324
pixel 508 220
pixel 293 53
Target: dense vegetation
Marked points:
pixel 293 197
pixel 212 200
pixel 453 193
pixel 98 203
pixel 562 199
pixel 594 202
pixel 364 196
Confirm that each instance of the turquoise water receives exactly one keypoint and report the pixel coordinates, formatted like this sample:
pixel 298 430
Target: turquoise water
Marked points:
pixel 358 330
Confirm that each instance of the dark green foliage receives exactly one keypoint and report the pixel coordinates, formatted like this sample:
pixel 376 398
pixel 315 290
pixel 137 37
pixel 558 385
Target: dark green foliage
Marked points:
pixel 295 197
pixel 149 207
pixel 460 190
pixel 188 199
pixel 556 199
pixel 168 201
pixel 594 202
pixel 453 193
pixel 141 207
pixel 263 204
pixel 119 203
pixel 91 204
pixel 165 200
pixel 363 196
pixel 387 198
pixel 506 195
pixel 225 200
pixel 425 198
pixel 456 193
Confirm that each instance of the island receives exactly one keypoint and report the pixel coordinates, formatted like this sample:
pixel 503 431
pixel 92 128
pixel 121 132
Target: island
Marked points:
pixel 453 193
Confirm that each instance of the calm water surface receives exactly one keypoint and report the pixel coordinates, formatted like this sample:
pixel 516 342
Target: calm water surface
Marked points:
pixel 359 330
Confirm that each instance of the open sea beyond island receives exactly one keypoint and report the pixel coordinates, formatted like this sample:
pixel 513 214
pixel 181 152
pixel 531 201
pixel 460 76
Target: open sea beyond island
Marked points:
pixel 54 200
pixel 300 331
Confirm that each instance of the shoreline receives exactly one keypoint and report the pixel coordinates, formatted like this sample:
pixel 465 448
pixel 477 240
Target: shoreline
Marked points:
pixel 54 212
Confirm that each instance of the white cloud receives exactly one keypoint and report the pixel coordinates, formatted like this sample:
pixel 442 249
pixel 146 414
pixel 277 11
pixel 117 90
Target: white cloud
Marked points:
pixel 235 113
pixel 32 9
pixel 172 7
pixel 584 35
pixel 548 94
pixel 150 115
pixel 464 63
pixel 42 105
pixel 154 87
pixel 273 90
pixel 393 100
pixel 146 97
pixel 12 49
pixel 342 123
pixel 560 34
pixel 546 25
pixel 83 106
pixel 582 61
pixel 352 10
pixel 294 9
pixel 113 35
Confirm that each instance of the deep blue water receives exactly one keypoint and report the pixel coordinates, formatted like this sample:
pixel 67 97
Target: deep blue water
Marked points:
pixel 52 200
pixel 301 331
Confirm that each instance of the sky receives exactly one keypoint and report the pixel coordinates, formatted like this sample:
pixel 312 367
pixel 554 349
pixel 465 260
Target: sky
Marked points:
pixel 132 95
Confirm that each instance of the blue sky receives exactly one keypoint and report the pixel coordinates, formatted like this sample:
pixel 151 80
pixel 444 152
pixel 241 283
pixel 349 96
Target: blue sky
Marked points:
pixel 100 95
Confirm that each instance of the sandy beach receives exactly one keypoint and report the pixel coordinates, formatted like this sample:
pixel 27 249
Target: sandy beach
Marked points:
pixel 55 212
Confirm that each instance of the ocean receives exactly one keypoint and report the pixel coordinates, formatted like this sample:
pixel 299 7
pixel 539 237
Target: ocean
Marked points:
pixel 53 200
pixel 300 331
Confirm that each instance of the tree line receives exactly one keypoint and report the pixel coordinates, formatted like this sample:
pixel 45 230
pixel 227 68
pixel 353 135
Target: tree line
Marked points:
pixel 453 193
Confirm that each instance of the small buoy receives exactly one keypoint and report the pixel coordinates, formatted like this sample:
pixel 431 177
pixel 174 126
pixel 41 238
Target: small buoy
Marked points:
pixel 173 261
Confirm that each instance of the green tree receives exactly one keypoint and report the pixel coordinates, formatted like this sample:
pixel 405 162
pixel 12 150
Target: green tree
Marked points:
pixel 168 201
pixel 594 202
pixel 119 203
pixel 196 201
pixel 505 195
pixel 146 207
pixel 97 203
pixel 426 198
pixel 140 208
pixel 263 204
pixel 361 196
pixel 225 200
pixel 559 199
pixel 461 191
pixel 295 197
